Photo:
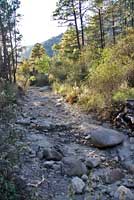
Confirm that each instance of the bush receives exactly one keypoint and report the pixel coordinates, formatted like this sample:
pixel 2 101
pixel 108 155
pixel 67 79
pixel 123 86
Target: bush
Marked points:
pixel 115 68
pixel 41 80
pixel 7 189
pixel 91 101
pixel 8 94
pixel 123 94
pixel 103 76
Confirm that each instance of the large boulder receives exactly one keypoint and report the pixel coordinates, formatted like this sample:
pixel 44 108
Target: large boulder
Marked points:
pixel 104 137
pixel 73 167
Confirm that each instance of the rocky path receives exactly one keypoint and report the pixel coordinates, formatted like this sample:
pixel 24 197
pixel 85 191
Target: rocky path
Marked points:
pixel 66 155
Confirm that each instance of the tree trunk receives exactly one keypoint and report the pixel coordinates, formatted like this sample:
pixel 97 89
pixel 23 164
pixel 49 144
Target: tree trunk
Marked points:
pixel 76 25
pixel 101 29
pixel 5 53
pixel 81 21
pixel 113 27
pixel 132 13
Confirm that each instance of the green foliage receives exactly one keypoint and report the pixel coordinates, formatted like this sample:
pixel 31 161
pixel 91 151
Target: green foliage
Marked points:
pixel 42 64
pixel 41 80
pixel 66 70
pixel 65 89
pixel 23 73
pixel 7 189
pixel 38 51
pixel 114 69
pixel 123 94
pixel 34 69
pixel 107 76
pixel 91 101
pixel 103 76
pixel 68 46
pixel 8 94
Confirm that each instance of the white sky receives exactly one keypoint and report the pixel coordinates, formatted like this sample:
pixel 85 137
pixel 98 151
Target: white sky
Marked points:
pixel 37 24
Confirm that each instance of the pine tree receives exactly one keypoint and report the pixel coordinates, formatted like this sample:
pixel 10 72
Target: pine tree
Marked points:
pixel 10 38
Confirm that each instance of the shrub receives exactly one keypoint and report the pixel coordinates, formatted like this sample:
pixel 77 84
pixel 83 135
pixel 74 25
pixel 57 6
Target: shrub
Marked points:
pixel 115 69
pixel 41 80
pixel 91 101
pixel 7 189
pixel 8 94
pixel 123 94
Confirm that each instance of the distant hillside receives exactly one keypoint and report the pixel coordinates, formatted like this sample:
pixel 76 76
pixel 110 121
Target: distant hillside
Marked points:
pixel 47 45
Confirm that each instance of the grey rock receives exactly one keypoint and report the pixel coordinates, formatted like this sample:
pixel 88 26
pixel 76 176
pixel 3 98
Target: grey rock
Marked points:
pixel 44 88
pixel 132 140
pixel 24 122
pixel 58 104
pixel 124 153
pixel 132 147
pixel 123 193
pixel 129 165
pixel 78 185
pixel 84 177
pixel 103 158
pixel 73 167
pixel 116 159
pixel 52 154
pixel 88 137
pixel 44 125
pixel 113 175
pixel 49 164
pixel 104 137
pixel 40 155
pixel 92 162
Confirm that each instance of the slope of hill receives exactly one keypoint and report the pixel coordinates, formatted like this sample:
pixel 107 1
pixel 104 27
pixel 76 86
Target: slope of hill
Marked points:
pixel 47 45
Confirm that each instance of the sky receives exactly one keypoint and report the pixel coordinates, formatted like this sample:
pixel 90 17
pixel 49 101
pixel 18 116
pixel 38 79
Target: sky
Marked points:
pixel 37 24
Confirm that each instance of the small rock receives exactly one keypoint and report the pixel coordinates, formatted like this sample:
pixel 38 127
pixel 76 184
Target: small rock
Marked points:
pixel 129 165
pixel 58 104
pixel 103 158
pixel 132 147
pixel 24 122
pixel 44 125
pixel 52 154
pixel 123 193
pixel 132 140
pixel 78 185
pixel 116 159
pixel 40 155
pixel 43 89
pixel 73 167
pixel 84 177
pixel 95 177
pixel 49 164
pixel 88 137
pixel 92 162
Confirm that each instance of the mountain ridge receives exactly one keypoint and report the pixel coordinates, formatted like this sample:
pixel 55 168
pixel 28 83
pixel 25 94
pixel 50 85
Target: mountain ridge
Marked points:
pixel 48 44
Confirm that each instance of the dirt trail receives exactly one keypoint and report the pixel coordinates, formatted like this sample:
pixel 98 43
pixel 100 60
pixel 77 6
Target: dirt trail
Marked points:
pixel 52 126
